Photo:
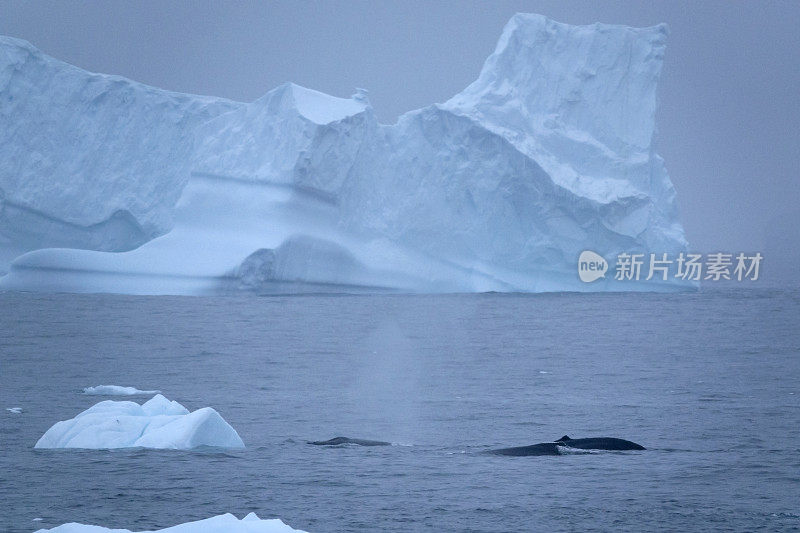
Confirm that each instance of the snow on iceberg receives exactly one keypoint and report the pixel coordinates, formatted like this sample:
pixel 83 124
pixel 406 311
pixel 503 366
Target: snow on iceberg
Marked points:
pixel 548 153
pixel 225 523
pixel 158 423
pixel 116 390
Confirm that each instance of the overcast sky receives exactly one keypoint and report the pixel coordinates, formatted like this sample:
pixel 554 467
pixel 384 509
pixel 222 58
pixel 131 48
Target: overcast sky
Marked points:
pixel 729 121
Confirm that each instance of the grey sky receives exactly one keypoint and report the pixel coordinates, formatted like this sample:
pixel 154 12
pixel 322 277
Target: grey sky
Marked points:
pixel 729 121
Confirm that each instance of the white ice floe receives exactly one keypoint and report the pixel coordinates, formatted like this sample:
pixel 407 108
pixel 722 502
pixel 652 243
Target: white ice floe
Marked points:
pixel 15 410
pixel 116 390
pixel 158 423
pixel 224 523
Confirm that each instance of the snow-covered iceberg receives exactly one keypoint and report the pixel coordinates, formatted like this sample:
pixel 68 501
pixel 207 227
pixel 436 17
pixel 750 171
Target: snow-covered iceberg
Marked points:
pixel 548 153
pixel 117 390
pixel 158 423
pixel 224 523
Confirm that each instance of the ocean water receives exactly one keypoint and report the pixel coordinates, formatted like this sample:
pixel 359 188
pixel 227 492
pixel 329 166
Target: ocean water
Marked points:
pixel 708 382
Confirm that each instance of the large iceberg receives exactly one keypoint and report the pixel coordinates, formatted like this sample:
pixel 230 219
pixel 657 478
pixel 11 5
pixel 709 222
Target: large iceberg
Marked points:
pixel 548 153
pixel 224 523
pixel 158 423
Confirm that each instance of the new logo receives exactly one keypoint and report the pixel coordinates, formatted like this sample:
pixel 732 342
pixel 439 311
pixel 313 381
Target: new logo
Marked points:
pixel 591 266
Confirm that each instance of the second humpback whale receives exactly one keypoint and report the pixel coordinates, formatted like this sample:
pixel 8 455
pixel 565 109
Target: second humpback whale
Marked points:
pixel 599 443
pixel 338 441
pixel 552 448
pixel 543 448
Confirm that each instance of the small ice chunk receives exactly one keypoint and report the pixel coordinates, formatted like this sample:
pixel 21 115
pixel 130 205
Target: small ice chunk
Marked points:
pixel 15 410
pixel 158 423
pixel 224 523
pixel 116 390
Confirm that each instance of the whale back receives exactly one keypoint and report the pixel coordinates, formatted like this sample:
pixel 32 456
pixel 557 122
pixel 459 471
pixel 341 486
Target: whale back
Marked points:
pixel 338 441
pixel 600 443
pixel 543 448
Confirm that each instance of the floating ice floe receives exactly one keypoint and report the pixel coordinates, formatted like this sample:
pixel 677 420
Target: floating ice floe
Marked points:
pixel 224 523
pixel 15 410
pixel 116 390
pixel 158 423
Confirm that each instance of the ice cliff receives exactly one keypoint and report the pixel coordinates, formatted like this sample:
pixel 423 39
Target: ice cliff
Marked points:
pixel 548 153
pixel 89 160
pixel 157 423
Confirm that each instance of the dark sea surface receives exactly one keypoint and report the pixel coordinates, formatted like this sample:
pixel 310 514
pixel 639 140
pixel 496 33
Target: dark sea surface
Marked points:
pixel 709 382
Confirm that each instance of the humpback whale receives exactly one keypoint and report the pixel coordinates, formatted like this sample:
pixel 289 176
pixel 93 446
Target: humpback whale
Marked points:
pixel 551 448
pixel 599 443
pixel 543 448
pixel 338 441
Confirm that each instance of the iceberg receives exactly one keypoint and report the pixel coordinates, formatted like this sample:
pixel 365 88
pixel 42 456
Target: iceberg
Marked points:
pixel 158 423
pixel 116 390
pixel 224 523
pixel 548 153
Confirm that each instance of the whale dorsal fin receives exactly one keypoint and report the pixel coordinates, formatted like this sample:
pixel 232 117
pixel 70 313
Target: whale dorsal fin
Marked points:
pixel 564 438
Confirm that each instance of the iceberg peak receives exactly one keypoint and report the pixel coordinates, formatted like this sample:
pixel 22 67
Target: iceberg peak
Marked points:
pixel 317 106
pixel 159 405
pixel 599 79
